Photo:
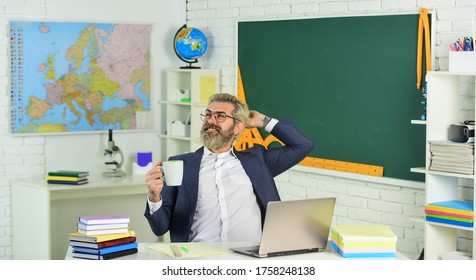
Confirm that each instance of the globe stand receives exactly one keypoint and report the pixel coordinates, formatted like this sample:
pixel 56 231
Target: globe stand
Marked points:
pixel 190 65
pixel 187 61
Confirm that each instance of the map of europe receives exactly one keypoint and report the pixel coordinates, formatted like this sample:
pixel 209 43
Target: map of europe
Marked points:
pixel 78 77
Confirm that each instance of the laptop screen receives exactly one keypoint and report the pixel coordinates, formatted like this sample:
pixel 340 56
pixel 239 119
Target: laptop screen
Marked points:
pixel 297 225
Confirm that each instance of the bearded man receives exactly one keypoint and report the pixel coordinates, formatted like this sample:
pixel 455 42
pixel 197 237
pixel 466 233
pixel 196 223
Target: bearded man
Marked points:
pixel 224 192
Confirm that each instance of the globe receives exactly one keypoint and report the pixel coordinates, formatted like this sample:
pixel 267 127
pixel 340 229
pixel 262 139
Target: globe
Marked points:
pixel 190 44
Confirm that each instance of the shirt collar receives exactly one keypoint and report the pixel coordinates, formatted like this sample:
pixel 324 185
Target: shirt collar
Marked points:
pixel 207 152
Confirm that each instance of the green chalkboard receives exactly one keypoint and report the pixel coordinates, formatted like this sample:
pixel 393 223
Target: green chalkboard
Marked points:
pixel 349 83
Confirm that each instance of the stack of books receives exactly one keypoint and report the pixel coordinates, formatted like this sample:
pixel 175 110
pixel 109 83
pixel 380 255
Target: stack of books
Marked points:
pixel 453 212
pixel 453 157
pixel 103 238
pixel 67 177
pixel 364 241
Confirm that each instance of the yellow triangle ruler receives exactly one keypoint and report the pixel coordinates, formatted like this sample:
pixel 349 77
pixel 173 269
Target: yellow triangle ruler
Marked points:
pixel 423 30
pixel 250 137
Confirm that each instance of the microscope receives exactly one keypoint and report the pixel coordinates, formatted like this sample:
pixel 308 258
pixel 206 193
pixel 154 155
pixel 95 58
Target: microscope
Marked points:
pixel 113 166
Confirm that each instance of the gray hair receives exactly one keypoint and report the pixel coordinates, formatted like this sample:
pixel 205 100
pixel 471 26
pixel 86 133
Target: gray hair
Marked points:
pixel 241 111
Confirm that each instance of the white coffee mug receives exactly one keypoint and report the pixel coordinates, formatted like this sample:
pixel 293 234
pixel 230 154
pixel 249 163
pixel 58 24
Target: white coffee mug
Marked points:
pixel 173 172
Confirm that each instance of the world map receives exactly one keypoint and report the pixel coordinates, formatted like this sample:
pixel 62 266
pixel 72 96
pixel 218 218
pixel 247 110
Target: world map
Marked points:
pixel 77 77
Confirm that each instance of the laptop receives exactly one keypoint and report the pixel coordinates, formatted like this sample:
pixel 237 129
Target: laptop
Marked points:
pixel 294 227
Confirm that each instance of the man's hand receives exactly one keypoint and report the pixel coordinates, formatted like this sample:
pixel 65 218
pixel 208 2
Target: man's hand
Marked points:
pixel 155 182
pixel 257 119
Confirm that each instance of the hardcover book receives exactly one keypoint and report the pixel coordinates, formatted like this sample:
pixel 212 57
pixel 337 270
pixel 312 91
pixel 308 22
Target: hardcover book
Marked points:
pixel 76 236
pixel 104 219
pixel 103 231
pixel 448 214
pixel 454 204
pixel 450 222
pixel 107 250
pixel 67 182
pixel 69 173
pixel 103 244
pixel 107 256
pixel 66 178
pixel 102 226
pixel 457 219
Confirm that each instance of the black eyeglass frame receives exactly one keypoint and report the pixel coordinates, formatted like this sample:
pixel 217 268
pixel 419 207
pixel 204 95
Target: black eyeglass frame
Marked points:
pixel 204 116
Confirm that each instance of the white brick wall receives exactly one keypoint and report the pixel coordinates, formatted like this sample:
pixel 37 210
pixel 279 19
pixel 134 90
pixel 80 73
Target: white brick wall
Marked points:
pixel 18 156
pixel 358 201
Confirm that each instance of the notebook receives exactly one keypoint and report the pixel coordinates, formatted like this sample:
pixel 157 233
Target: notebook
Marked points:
pixel 294 227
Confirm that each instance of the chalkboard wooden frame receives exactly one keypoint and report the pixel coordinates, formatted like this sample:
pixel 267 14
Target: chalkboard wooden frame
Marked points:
pixel 348 82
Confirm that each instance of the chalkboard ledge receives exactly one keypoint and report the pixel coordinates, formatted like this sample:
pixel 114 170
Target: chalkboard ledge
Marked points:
pixel 360 177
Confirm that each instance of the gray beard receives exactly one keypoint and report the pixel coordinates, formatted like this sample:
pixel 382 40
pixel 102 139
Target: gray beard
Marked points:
pixel 218 140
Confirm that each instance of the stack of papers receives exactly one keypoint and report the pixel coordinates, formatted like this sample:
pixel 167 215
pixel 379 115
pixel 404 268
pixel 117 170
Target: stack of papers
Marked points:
pixel 453 157
pixel 453 212
pixel 364 241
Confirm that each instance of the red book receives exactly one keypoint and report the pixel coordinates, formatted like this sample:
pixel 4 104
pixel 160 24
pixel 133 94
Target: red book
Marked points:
pixel 429 211
pixel 104 244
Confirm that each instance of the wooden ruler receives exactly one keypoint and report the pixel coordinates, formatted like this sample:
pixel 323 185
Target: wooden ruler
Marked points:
pixel 366 169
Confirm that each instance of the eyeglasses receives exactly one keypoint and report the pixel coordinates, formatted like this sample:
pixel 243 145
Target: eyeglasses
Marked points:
pixel 219 116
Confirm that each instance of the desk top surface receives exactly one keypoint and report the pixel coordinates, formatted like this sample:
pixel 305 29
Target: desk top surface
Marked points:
pixel 95 181
pixel 145 252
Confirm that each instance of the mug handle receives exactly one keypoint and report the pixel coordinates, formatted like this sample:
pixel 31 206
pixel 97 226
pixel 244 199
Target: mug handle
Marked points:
pixel 163 173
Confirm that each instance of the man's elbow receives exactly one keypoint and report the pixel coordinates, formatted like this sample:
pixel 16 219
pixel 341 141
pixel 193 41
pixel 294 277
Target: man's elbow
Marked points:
pixel 309 146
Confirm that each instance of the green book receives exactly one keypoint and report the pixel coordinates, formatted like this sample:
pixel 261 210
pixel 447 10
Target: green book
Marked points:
pixel 68 173
pixel 450 218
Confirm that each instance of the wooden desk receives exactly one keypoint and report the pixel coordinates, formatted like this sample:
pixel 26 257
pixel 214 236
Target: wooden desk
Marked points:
pixel 44 214
pixel 145 253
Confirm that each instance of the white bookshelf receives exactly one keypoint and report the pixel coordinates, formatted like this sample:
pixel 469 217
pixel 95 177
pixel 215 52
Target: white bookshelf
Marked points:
pixel 447 103
pixel 201 83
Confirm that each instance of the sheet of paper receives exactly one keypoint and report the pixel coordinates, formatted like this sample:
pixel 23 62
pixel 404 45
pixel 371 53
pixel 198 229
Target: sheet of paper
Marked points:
pixel 189 250
pixel 207 88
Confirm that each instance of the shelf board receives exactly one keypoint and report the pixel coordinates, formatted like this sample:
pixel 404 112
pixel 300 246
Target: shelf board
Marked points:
pixel 450 174
pixel 418 170
pixel 423 170
pixel 164 102
pixel 451 226
pixel 418 122
pixel 176 103
pixel 454 73
pixel 175 137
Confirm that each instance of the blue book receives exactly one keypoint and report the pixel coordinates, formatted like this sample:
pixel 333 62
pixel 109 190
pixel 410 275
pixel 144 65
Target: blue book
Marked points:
pixel 451 222
pixel 456 204
pixel 107 250
pixel 374 255
pixel 105 257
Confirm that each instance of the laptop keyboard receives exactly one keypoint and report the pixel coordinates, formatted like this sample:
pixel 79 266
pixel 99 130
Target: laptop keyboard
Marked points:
pixel 254 250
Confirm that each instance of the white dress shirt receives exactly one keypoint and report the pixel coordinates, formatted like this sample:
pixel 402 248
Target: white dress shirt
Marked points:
pixel 227 208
